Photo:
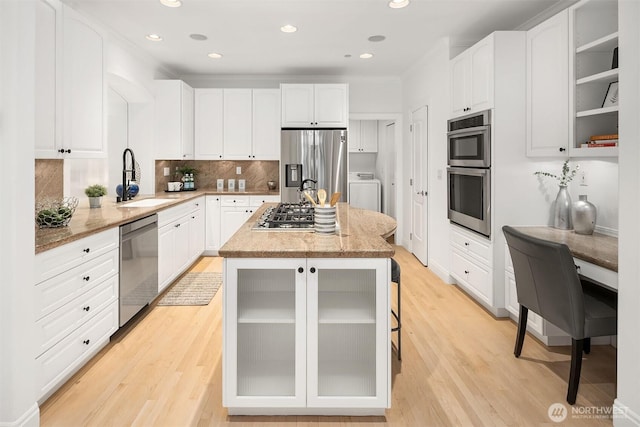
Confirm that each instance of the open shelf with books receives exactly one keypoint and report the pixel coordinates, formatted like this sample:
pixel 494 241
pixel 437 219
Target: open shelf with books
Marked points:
pixel 594 71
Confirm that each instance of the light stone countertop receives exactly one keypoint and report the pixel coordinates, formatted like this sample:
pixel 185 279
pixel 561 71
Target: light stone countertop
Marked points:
pixel 87 221
pixel 362 234
pixel 597 248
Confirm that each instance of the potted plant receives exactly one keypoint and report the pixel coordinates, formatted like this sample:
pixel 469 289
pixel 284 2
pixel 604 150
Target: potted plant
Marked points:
pixel 95 193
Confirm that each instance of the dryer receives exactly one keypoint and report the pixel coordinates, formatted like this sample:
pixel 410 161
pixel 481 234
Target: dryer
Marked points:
pixel 365 194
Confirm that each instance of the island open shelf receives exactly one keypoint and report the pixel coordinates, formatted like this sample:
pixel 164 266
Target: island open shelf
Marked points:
pixel 307 323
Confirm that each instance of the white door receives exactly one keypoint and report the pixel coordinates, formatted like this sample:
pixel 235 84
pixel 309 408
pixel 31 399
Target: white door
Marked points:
pixel 419 187
pixel 389 205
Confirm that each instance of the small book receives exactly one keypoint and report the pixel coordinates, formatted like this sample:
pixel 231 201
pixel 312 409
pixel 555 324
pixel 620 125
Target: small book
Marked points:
pixel 599 144
pixel 603 137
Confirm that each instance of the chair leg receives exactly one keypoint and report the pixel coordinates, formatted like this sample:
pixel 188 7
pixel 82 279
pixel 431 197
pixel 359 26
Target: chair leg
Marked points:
pixel 587 345
pixel 522 329
pixel 576 365
pixel 399 324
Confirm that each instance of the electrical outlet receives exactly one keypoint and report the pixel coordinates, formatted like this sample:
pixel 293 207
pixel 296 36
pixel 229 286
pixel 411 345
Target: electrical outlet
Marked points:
pixel 167 171
pixel 583 178
pixel 238 170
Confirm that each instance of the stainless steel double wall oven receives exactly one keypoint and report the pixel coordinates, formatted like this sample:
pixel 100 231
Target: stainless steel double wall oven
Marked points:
pixel 469 171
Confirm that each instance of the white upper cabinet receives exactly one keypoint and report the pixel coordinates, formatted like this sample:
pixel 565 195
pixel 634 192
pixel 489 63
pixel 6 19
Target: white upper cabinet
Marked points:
pixel 548 88
pixel 315 105
pixel 472 78
pixel 237 124
pixel 70 103
pixel 174 120
pixel 266 124
pixel 209 133
pixel 363 136
pixel 594 77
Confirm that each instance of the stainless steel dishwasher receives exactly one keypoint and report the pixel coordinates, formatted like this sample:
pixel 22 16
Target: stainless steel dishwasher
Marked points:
pixel 138 266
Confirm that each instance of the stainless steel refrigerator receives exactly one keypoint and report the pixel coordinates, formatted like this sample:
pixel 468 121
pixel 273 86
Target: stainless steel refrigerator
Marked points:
pixel 319 155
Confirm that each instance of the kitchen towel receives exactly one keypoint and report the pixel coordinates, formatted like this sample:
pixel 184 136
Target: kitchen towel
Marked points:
pixel 194 288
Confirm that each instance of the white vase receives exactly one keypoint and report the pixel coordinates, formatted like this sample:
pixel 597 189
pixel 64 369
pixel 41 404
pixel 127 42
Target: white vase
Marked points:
pixel 562 210
pixel 583 215
pixel 95 202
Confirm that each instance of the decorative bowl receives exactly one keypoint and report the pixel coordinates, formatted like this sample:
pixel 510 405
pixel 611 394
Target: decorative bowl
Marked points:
pixel 52 213
pixel 271 185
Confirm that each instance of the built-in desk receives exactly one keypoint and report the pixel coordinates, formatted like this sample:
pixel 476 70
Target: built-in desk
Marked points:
pixel 595 256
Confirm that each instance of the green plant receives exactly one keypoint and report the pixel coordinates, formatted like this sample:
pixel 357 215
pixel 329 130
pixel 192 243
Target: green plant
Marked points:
pixel 95 190
pixel 185 169
pixel 565 177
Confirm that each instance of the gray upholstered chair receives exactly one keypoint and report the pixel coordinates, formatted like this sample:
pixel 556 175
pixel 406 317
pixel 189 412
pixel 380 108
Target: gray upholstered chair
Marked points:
pixel 548 284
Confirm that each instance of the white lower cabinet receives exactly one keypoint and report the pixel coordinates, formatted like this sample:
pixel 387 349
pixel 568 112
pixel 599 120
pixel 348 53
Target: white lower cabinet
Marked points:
pixel 76 306
pixel 471 265
pixel 235 211
pixel 306 336
pixel 180 239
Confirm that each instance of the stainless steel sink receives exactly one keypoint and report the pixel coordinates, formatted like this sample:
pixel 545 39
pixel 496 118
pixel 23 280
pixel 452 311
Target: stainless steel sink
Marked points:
pixel 145 203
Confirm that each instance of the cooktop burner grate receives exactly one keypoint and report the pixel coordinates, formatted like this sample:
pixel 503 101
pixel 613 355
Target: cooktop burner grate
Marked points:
pixel 286 216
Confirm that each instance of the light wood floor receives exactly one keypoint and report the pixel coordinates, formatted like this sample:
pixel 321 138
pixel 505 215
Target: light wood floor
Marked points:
pixel 458 369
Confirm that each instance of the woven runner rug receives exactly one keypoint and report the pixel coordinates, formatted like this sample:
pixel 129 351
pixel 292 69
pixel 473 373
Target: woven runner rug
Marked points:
pixel 194 288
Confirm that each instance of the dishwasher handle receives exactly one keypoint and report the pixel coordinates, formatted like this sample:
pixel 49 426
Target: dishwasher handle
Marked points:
pixel 136 228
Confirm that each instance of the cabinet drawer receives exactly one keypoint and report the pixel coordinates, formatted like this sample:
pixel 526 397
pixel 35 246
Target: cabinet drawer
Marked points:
pixel 259 200
pixel 55 326
pixel 56 292
pixel 55 261
pixel 62 360
pixel 235 201
pixel 602 275
pixel 472 245
pixel 475 278
pixel 170 215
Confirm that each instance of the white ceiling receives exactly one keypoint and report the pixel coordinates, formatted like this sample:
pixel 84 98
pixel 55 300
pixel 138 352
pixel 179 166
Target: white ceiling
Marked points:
pixel 247 32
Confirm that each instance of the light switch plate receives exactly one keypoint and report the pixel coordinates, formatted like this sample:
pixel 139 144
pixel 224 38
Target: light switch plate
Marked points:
pixel 238 170
pixel 167 171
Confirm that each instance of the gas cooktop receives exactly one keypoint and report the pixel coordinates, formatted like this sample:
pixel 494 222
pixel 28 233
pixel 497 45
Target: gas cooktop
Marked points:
pixel 286 217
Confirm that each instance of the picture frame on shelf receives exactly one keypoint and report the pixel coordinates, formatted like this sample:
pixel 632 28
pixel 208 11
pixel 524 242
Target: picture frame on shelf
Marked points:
pixel 611 98
pixel 614 61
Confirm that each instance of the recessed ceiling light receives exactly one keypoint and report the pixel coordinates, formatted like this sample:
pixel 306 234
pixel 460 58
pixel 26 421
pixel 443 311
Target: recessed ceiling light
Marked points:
pixel 398 4
pixel 366 55
pixel 348 55
pixel 288 29
pixel 199 37
pixel 154 37
pixel 171 3
pixel 214 55
pixel 376 38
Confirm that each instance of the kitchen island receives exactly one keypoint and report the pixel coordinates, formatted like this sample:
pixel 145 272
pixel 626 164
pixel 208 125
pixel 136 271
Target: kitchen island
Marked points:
pixel 306 318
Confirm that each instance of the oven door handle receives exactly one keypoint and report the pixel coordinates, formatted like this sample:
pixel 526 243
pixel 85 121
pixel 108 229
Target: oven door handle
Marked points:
pixel 468 131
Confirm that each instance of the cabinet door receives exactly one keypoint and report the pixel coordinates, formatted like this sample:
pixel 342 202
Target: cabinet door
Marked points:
pixel 354 136
pixel 231 219
pixel 166 265
pixel 209 124
pixel 459 69
pixel 264 321
pixel 297 105
pixel 196 234
pixel 181 251
pixel 348 333
pixel 369 136
pixel 548 87
pixel 83 88
pixel 186 125
pixel 481 59
pixel 48 18
pixel 266 124
pixel 212 242
pixel 331 105
pixel 237 124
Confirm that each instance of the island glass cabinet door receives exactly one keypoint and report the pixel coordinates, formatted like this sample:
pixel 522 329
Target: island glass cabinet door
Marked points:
pixel 348 333
pixel 264 345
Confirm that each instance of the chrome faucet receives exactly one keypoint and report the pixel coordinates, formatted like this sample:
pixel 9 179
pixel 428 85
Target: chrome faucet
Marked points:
pixel 126 183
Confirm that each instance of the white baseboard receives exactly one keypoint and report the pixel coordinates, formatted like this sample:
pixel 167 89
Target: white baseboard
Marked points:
pixel 623 416
pixel 439 271
pixel 31 418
